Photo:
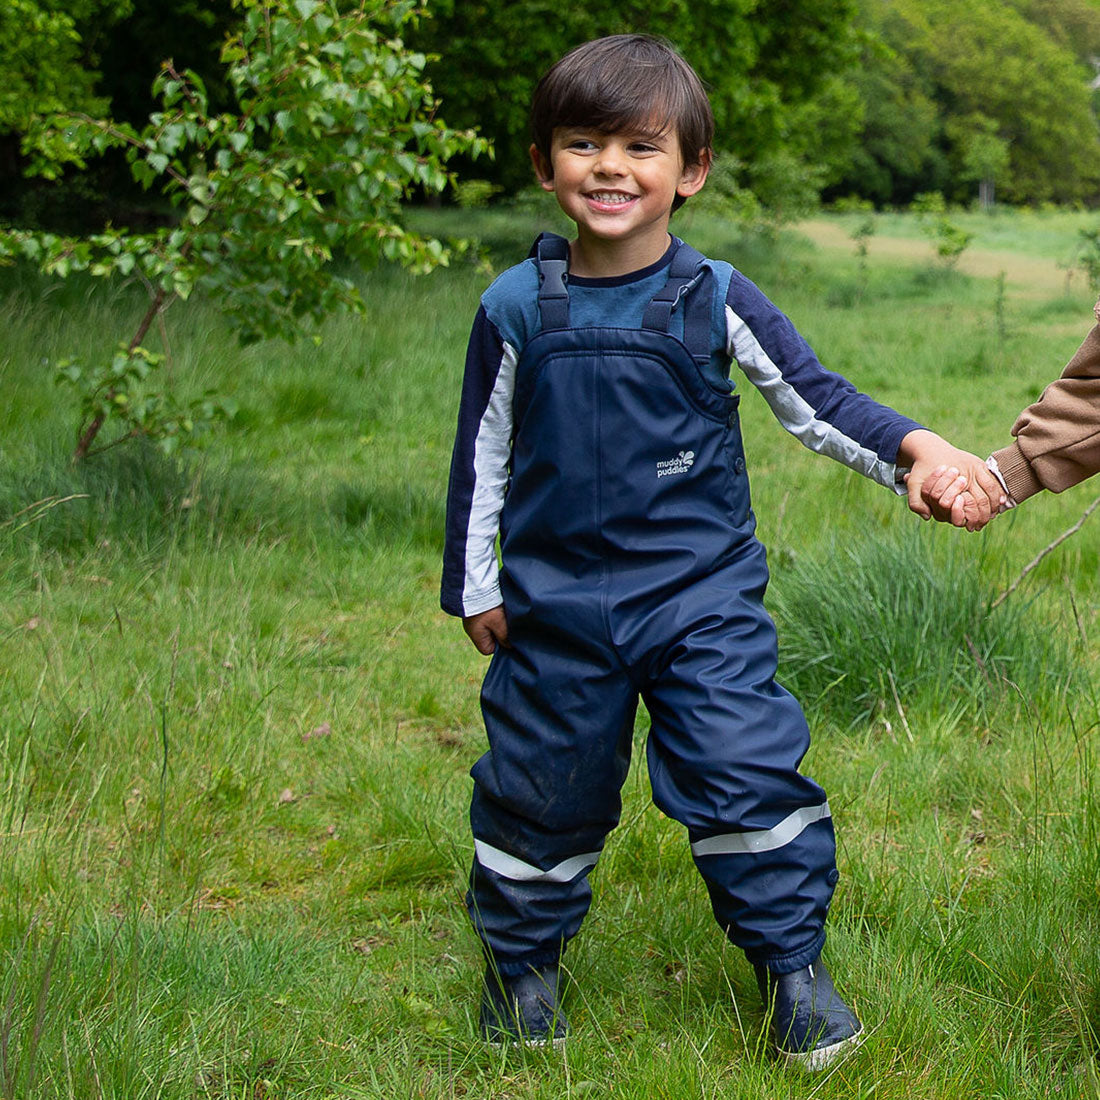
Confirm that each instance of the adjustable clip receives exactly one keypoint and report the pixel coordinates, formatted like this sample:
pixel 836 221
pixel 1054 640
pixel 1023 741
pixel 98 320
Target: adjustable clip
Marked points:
pixel 686 288
pixel 553 273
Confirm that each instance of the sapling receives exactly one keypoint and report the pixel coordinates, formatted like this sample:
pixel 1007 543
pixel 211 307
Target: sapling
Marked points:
pixel 278 201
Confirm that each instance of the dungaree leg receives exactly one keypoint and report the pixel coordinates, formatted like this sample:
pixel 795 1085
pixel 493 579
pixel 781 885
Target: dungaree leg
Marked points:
pixel 724 752
pixel 560 722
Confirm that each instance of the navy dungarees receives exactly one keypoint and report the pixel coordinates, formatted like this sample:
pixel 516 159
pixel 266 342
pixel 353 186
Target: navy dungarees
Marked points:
pixel 631 569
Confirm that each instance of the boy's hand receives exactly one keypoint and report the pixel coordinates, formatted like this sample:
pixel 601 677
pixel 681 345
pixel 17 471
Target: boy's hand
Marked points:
pixel 976 495
pixel 487 629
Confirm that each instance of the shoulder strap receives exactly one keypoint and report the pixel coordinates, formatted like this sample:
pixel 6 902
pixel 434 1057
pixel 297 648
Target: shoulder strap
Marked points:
pixel 552 254
pixel 688 282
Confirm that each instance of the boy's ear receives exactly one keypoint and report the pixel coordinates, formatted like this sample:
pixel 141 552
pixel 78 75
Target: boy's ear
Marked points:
pixel 694 175
pixel 544 171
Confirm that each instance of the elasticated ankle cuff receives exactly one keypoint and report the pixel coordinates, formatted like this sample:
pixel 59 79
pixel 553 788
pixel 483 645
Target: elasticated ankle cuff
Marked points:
pixel 792 960
pixel 513 968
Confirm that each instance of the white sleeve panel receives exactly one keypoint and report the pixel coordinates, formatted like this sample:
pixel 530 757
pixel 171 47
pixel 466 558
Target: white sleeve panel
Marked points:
pixel 492 452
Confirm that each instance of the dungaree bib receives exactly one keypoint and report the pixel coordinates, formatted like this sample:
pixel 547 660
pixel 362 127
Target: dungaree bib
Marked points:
pixel 630 570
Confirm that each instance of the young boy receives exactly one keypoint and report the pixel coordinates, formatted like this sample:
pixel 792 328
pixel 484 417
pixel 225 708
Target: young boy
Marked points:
pixel 598 436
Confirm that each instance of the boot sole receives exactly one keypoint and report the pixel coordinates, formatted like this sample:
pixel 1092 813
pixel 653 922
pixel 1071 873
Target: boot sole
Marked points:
pixel 506 1044
pixel 814 1061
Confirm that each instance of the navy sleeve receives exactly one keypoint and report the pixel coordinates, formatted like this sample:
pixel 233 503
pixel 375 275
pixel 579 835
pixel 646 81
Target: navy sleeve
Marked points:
pixel 822 409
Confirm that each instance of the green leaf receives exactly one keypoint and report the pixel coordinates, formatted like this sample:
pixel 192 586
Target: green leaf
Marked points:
pixel 181 284
pixel 172 137
pixel 70 372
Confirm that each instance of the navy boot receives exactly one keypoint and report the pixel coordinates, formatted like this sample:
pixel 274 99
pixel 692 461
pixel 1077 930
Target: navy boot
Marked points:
pixel 811 1025
pixel 522 1009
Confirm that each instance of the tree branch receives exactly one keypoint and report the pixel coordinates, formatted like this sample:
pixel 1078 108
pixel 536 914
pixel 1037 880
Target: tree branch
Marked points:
pixel 1043 553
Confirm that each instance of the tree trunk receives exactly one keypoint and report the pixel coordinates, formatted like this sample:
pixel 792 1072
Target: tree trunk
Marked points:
pixel 90 430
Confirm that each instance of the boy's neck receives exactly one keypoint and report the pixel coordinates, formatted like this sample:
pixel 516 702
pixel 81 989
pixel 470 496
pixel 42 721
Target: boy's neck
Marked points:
pixel 602 259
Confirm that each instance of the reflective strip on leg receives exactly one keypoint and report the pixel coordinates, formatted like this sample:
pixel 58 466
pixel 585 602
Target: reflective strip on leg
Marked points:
pixel 507 866
pixel 762 840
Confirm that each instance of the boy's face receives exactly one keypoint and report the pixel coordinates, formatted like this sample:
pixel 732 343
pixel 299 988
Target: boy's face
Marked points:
pixel 618 187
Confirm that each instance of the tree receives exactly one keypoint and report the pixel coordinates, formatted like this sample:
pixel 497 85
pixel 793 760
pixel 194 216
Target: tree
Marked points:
pixel 987 59
pixel 334 125
pixel 1002 76
pixel 984 155
pixel 759 61
pixel 896 153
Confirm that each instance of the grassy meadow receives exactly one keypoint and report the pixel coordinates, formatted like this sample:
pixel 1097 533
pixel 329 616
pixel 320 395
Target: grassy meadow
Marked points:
pixel 237 728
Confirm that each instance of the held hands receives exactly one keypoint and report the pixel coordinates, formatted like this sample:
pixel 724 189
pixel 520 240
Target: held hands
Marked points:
pixel 487 629
pixel 945 493
pixel 947 484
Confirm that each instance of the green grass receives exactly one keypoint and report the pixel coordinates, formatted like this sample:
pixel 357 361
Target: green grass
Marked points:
pixel 233 838
pixel 871 623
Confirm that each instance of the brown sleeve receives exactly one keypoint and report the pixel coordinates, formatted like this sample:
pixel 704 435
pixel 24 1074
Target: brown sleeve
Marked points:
pixel 1057 440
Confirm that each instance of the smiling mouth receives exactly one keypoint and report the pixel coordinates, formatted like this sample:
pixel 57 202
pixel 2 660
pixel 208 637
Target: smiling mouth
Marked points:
pixel 611 198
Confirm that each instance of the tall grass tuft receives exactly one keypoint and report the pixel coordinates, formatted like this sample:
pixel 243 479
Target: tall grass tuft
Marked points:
pixel 884 622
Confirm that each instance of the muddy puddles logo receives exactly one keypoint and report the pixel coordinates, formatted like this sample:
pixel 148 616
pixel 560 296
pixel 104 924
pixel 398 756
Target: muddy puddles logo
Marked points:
pixel 681 464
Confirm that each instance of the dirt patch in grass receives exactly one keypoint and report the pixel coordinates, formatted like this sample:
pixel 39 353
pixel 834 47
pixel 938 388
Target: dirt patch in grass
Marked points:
pixel 1025 276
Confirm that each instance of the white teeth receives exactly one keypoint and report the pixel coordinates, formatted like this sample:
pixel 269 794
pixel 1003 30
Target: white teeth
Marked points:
pixel 610 197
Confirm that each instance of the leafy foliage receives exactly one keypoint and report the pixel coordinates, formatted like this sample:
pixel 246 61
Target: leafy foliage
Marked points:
pixel 1073 24
pixel 120 390
pixel 759 62
pixel 951 96
pixel 41 62
pixel 880 98
pixel 334 126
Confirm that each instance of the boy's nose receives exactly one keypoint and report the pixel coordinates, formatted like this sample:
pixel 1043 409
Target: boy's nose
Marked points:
pixel 610 161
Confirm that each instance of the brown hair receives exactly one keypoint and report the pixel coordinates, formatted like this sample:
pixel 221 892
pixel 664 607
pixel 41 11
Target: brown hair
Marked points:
pixel 624 81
